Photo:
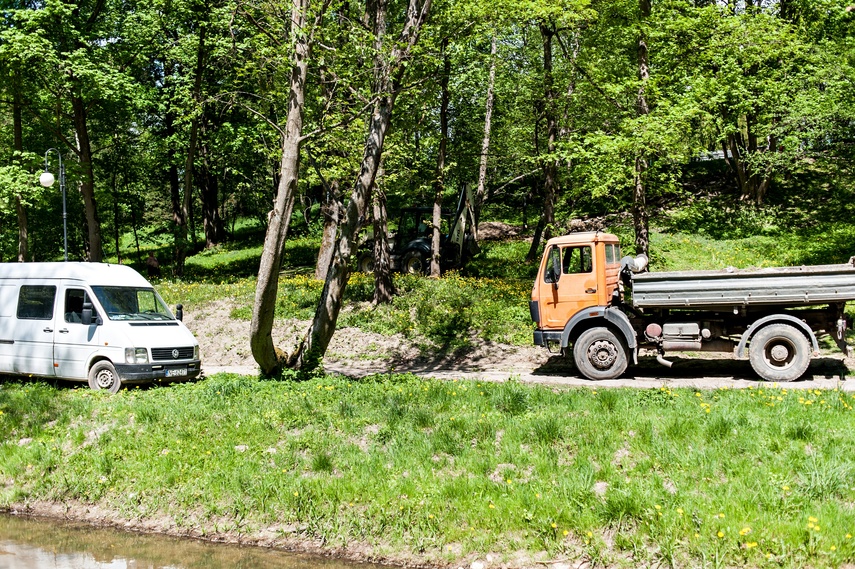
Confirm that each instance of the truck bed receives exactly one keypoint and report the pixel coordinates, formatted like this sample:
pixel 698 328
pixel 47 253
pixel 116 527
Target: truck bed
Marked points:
pixel 789 286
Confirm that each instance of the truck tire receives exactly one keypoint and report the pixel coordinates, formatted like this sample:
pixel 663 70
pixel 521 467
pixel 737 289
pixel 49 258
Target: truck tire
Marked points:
pixel 779 352
pixel 365 263
pixel 414 263
pixel 599 354
pixel 103 376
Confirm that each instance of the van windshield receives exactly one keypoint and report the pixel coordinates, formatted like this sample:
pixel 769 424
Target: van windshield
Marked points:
pixel 131 303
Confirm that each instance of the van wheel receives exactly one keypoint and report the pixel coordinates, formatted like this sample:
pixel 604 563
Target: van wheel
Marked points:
pixel 103 376
pixel 599 354
pixel 779 352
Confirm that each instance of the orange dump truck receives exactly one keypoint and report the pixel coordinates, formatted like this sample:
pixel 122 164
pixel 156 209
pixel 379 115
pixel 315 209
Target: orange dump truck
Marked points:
pixel 589 299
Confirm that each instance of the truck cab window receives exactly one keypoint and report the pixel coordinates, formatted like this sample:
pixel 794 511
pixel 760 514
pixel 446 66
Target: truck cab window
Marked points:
pixel 577 260
pixel 35 302
pixel 74 300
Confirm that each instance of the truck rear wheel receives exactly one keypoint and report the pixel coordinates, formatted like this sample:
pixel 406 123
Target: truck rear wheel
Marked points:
pixel 365 263
pixel 104 376
pixel 779 352
pixel 599 354
pixel 414 263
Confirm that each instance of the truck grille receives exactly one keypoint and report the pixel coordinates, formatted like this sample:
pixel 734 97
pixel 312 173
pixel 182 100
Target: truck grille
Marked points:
pixel 166 354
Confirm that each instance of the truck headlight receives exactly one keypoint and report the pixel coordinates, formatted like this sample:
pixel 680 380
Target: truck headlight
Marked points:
pixel 196 352
pixel 136 355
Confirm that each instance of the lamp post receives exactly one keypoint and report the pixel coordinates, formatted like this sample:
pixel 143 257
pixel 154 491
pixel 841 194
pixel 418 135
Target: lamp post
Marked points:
pixel 46 180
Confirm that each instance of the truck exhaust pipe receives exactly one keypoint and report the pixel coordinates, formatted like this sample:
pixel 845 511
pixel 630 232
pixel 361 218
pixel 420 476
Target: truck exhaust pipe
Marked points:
pixel 663 361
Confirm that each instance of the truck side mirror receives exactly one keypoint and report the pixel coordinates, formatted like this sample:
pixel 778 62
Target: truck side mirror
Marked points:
pixel 86 313
pixel 179 312
pixel 556 269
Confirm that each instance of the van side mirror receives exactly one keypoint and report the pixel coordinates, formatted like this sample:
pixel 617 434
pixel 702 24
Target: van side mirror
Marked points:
pixel 86 313
pixel 179 312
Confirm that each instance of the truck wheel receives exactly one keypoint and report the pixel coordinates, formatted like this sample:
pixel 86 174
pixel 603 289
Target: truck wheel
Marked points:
pixel 365 263
pixel 103 376
pixel 599 354
pixel 779 352
pixel 414 263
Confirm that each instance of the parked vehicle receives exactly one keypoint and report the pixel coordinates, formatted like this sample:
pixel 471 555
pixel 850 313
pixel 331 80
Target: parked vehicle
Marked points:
pixel 410 244
pixel 602 308
pixel 93 322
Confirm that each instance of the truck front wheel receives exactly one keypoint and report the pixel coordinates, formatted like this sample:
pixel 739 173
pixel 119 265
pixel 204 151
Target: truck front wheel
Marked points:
pixel 779 352
pixel 599 354
pixel 414 263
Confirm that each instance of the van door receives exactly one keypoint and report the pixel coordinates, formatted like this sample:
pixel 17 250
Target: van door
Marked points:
pixel 74 341
pixel 34 325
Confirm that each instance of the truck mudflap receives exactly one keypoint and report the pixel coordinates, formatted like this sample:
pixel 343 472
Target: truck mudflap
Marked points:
pixel 612 316
pixel 789 319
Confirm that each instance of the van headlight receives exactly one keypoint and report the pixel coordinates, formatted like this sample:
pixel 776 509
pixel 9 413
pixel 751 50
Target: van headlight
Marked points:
pixel 196 352
pixel 136 355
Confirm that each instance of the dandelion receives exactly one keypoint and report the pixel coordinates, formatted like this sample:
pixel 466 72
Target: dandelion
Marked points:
pixel 658 507
pixel 750 544
pixel 430 516
pixel 565 532
pixel 720 534
pixel 833 548
pixel 491 506
pixel 721 515
pixel 680 511
pixel 745 531
pixel 785 488
pixel 812 519
pixel 296 493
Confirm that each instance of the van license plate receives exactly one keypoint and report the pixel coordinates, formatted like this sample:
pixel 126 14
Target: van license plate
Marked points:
pixel 176 372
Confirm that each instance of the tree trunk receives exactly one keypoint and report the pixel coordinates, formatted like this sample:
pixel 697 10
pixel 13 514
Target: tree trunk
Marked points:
pixel 212 222
pixel 18 142
pixel 550 164
pixel 269 358
pixel 384 286
pixel 439 182
pixel 179 233
pixel 639 192
pixel 386 85
pixel 331 212
pixel 481 192
pixel 87 184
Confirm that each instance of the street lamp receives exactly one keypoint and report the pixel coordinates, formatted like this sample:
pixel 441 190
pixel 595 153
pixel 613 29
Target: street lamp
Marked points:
pixel 46 180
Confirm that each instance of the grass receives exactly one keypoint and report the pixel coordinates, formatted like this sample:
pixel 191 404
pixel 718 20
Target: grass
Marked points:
pixel 450 470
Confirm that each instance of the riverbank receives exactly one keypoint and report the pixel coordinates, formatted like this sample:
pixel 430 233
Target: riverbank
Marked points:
pixel 413 471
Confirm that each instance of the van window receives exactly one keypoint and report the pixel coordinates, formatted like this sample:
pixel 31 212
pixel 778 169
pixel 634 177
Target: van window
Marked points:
pixel 35 302
pixel 131 303
pixel 74 300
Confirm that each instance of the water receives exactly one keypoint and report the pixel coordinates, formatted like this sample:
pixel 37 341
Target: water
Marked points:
pixel 27 543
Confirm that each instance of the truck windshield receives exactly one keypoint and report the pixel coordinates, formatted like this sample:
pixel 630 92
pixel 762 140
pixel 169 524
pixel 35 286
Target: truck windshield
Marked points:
pixel 131 303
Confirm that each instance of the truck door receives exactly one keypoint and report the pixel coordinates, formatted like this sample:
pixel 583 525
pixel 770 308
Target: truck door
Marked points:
pixel 33 334
pixel 577 285
pixel 73 340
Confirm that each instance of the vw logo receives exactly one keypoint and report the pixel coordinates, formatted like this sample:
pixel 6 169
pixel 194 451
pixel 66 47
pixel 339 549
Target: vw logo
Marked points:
pixel 175 354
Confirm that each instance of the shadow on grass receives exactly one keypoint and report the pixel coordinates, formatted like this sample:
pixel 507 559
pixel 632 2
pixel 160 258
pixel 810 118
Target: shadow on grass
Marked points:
pixel 698 368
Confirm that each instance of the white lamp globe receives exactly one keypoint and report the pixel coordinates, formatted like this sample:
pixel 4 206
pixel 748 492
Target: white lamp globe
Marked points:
pixel 46 179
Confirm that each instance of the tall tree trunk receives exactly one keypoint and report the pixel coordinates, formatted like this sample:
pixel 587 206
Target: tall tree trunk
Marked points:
pixel 179 232
pixel 550 165
pixel 639 192
pixel 331 212
pixel 87 184
pixel 18 142
pixel 439 181
pixel 269 358
pixel 384 286
pixel 481 192
pixel 388 74
pixel 212 222
pixel 186 233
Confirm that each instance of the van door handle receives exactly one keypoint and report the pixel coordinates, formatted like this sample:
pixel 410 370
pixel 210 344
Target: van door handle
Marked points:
pixel 590 290
pixel 63 331
pixel 48 330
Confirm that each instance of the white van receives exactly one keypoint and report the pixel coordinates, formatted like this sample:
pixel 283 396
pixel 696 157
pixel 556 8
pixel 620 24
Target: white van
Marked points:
pixel 93 322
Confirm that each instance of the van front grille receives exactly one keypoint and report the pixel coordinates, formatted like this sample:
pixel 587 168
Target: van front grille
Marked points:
pixel 166 354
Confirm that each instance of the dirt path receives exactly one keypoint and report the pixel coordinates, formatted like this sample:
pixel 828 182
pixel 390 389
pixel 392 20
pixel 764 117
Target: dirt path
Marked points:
pixel 225 348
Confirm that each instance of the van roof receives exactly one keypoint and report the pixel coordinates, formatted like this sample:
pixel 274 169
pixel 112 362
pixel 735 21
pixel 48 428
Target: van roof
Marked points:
pixel 98 274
